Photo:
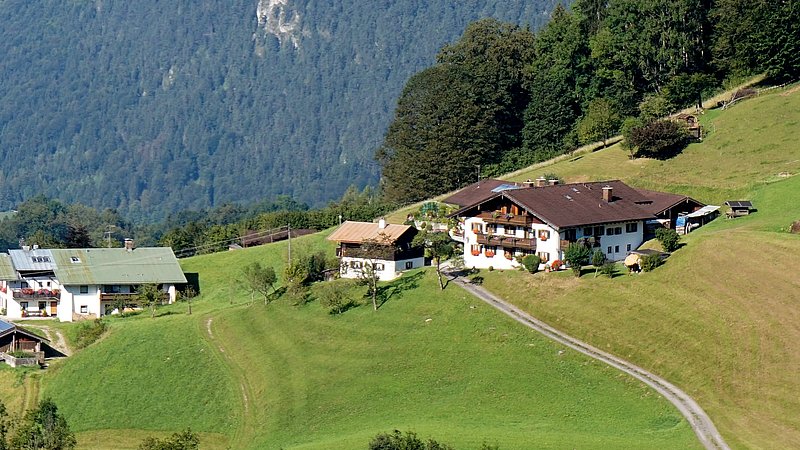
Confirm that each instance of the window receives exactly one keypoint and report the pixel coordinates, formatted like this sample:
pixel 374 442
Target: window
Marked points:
pixel 628 248
pixel 409 265
pixel 40 259
pixel 74 259
pixel 477 228
pixel 83 289
pixel 379 266
pixel 544 256
pixel 631 227
pixel 355 264
pixel 588 231
pixel 511 230
pixel 571 235
pixel 84 309
pixel 23 306
pixel 475 249
pixel 609 250
pixel 544 235
pixel 599 231
pixel 616 249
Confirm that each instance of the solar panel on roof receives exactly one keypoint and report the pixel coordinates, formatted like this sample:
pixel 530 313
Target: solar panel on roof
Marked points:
pixel 5 326
pixel 505 187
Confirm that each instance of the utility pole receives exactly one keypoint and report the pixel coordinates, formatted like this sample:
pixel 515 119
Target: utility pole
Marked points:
pixel 108 234
pixel 289 234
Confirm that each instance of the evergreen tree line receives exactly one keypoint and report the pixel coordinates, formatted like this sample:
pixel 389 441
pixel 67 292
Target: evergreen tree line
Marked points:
pixel 50 224
pixel 151 107
pixel 503 97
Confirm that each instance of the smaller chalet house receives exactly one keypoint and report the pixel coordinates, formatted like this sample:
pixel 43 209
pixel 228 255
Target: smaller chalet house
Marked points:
pixel 544 217
pixel 399 254
pixel 74 283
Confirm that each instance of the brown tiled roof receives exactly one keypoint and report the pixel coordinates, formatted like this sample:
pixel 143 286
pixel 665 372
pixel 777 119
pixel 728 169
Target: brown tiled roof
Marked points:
pixel 358 232
pixel 578 204
pixel 475 192
pixel 662 201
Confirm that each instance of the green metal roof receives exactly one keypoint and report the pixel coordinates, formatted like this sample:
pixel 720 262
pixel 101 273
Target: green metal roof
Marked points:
pixel 117 266
pixel 7 272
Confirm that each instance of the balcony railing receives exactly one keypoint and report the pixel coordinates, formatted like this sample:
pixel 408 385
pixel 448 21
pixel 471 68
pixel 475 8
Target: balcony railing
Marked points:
pixel 506 219
pixel 127 297
pixel 28 293
pixel 507 241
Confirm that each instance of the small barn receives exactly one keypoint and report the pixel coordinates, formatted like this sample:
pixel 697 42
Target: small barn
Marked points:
pixel 738 208
pixel 14 339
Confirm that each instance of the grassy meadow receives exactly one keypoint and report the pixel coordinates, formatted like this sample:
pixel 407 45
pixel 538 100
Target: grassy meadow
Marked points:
pixel 292 376
pixel 722 317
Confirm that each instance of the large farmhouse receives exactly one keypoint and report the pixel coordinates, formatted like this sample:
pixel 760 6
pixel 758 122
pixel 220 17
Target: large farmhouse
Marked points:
pixel 543 217
pixel 88 282
pixel 392 250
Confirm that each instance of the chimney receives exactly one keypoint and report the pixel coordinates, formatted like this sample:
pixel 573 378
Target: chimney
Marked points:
pixel 608 194
pixel 36 246
pixel 541 182
pixel 527 183
pixel 381 223
pixel 552 182
pixel 129 244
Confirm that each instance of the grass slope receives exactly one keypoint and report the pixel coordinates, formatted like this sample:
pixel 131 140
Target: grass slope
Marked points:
pixel 315 381
pixel 720 319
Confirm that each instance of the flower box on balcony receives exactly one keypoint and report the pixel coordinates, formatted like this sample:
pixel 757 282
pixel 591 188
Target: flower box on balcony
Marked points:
pixel 476 253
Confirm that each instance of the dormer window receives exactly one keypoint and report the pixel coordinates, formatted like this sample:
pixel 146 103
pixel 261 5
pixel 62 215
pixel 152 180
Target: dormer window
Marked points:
pixel 75 259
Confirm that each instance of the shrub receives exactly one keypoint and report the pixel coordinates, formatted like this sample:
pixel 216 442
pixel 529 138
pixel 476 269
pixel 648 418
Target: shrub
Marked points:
pixel 650 262
pixel 399 441
pixel 89 332
pixel 335 296
pixel 661 139
pixel 186 440
pixel 530 263
pixel 577 255
pixel 669 239
pixel 608 269
pixel 491 268
pixel 21 354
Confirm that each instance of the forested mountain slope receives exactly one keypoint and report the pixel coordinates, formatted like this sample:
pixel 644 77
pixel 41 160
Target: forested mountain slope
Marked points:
pixel 151 106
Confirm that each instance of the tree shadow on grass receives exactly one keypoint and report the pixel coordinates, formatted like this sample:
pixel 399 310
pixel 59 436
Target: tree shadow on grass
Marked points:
pixel 396 288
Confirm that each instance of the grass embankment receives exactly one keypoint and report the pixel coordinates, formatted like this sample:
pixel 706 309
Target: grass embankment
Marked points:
pixel 747 145
pixel 721 318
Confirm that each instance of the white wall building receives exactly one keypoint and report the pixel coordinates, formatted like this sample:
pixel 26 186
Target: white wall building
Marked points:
pixel 397 256
pixel 544 218
pixel 70 283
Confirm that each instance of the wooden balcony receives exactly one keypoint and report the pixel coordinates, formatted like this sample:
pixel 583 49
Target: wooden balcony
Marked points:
pixel 521 220
pixel 507 242
pixel 41 294
pixel 127 297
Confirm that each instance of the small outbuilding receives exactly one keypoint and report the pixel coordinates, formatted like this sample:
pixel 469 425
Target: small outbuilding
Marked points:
pixel 738 208
pixel 692 124
pixel 14 340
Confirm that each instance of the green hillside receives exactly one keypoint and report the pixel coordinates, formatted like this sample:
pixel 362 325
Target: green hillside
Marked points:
pixel 282 376
pixel 720 318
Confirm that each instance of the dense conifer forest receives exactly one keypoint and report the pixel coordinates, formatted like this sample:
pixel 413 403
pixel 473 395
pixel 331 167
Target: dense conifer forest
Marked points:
pixel 503 97
pixel 155 107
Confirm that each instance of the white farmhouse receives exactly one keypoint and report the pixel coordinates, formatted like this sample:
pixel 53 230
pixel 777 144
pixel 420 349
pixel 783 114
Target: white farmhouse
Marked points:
pixel 88 282
pixel 509 221
pixel 397 255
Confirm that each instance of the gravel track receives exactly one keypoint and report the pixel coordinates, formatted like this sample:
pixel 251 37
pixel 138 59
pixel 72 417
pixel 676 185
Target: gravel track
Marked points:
pixel 699 421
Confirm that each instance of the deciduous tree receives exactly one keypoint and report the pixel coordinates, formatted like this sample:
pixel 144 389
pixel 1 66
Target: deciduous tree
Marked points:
pixel 438 246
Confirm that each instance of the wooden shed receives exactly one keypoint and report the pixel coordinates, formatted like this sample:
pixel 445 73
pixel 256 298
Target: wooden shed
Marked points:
pixel 692 124
pixel 738 208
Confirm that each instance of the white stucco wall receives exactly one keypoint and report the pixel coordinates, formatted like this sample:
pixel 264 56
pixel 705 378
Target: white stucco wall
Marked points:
pixel 620 244
pixel 391 269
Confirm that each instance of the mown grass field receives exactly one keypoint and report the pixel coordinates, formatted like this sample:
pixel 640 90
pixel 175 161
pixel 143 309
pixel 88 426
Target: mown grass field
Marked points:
pixel 722 317
pixel 285 376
